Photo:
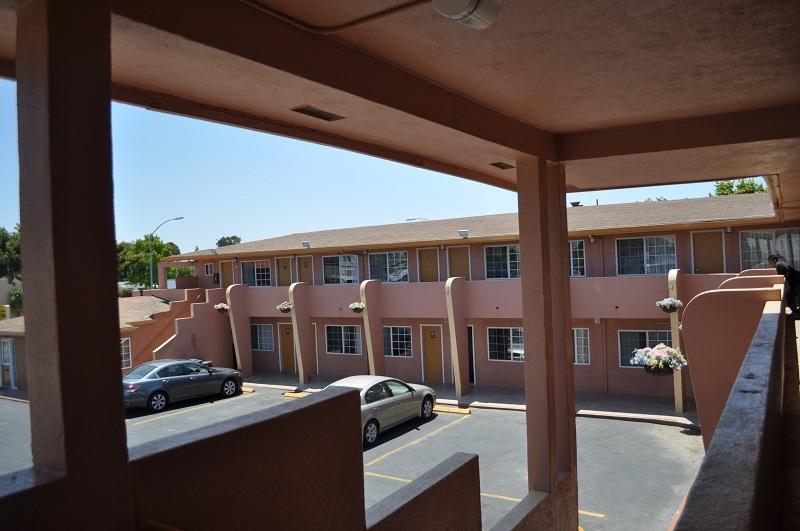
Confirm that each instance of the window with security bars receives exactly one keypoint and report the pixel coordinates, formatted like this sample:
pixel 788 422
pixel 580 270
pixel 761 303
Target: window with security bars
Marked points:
pixel 506 344
pixel 580 342
pixel 757 245
pixel 389 267
pixel 341 269
pixel 261 337
pixel 125 352
pixel 630 340
pixel 577 259
pixel 344 339
pixel 652 255
pixel 397 341
pixel 502 261
pixel 256 273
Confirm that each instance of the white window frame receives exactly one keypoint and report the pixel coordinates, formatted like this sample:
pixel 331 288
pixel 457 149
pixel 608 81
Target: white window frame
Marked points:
pixel 508 261
pixel 575 347
pixel 583 258
pixel 511 329
pixel 773 250
pixel 438 265
pixel 256 262
pixel 619 345
pixel 469 259
pixel 357 276
pixel 8 343
pixel 122 342
pixel 410 341
pixel 644 250
pixel 360 342
pixel 387 253
pixel 208 269
pixel 271 335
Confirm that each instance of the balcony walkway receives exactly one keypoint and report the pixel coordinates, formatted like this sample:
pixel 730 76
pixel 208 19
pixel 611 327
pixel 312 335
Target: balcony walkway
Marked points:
pixel 791 440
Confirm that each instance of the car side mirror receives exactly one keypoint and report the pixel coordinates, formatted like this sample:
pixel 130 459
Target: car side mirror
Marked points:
pixel 210 370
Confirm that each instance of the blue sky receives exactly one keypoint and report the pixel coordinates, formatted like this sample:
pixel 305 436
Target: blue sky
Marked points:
pixel 225 180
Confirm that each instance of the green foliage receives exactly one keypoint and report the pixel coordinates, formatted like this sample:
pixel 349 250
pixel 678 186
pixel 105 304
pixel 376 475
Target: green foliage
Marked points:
pixel 124 292
pixel 228 240
pixel 175 272
pixel 742 186
pixel 133 258
pixel 11 254
pixel 15 299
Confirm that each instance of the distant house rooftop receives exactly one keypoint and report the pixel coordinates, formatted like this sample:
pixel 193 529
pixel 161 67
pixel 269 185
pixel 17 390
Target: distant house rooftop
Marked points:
pixel 132 311
pixel 582 221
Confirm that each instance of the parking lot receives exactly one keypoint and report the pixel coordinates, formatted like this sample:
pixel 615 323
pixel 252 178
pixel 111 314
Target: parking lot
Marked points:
pixel 631 475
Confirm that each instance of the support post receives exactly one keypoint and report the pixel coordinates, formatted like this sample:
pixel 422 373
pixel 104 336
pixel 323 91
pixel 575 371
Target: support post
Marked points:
pixel 370 293
pixel 675 332
pixel 546 320
pixel 63 67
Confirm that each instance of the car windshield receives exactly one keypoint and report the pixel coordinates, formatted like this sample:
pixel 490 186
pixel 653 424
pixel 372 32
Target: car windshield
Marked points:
pixel 139 372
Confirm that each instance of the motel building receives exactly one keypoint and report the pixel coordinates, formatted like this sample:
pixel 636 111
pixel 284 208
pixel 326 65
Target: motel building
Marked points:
pixel 538 98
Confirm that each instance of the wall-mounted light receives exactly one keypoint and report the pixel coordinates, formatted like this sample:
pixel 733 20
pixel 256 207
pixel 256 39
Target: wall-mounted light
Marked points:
pixel 306 244
pixel 477 14
pixel 464 233
pixel 235 259
pixel 728 229
pixel 442 247
pixel 597 320
pixel 592 239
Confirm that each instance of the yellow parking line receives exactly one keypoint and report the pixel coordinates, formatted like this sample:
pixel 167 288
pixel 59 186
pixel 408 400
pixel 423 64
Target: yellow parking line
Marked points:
pixel 452 409
pixel 296 395
pixel 417 441
pixel 484 494
pixel 3 423
pixel 385 476
pixel 188 410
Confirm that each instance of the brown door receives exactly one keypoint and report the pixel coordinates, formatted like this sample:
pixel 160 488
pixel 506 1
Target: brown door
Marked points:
pixel 287 349
pixel 458 262
pixel 707 252
pixel 284 271
pixel 429 265
pixel 432 353
pixel 305 271
pixel 227 274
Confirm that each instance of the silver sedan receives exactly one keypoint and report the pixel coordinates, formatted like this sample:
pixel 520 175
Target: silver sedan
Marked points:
pixel 386 402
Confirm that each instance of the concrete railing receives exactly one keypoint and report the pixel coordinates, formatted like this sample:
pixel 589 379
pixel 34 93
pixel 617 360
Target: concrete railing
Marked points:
pixel 737 486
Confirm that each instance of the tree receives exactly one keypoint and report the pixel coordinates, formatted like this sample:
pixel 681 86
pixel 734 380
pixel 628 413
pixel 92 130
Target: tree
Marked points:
pixel 134 258
pixel 742 186
pixel 228 240
pixel 15 300
pixel 11 254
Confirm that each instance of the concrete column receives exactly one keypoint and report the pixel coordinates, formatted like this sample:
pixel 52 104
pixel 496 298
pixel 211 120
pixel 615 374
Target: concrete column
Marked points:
pixel 674 326
pixel 370 291
pixel 546 320
pixel 300 298
pixel 63 68
pixel 455 295
pixel 236 297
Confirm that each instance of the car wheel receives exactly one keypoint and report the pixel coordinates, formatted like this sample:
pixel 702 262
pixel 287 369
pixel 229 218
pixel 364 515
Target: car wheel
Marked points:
pixel 157 402
pixel 371 433
pixel 427 408
pixel 229 387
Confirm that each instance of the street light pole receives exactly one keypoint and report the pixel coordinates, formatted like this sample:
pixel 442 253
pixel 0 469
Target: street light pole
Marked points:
pixel 150 246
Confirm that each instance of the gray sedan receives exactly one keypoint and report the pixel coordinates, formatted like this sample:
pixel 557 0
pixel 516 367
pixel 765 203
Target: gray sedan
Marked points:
pixel 386 402
pixel 157 383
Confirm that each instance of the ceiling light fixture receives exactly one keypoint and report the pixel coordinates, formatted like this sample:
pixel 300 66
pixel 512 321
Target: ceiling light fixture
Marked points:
pixel 477 14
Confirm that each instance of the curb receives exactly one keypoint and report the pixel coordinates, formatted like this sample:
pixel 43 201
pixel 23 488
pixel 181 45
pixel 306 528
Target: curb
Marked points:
pixel 15 399
pixel 291 388
pixel 664 420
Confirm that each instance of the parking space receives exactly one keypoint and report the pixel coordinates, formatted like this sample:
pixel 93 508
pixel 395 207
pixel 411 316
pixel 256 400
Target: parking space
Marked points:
pixel 626 470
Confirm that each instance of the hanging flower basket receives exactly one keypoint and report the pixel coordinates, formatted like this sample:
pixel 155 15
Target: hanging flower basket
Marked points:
pixel 660 360
pixel 284 307
pixel 358 307
pixel 669 305
pixel 222 307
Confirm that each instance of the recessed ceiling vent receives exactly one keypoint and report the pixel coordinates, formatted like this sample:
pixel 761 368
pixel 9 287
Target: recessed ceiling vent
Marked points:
pixel 313 112
pixel 501 165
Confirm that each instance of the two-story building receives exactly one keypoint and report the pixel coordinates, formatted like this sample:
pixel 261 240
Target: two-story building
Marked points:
pixel 619 258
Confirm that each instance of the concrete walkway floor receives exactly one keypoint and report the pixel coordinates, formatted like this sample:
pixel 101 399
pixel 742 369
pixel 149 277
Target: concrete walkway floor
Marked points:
pixel 659 410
